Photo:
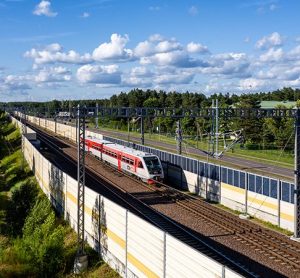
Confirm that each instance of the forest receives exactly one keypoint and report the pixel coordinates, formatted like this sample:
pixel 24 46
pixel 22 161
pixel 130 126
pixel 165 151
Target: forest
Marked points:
pixel 275 133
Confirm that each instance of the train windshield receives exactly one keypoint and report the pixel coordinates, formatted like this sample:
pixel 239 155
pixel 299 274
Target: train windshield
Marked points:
pixel 153 165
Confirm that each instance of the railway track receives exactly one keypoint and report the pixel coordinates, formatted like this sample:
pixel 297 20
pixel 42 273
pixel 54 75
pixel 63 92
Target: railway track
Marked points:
pixel 156 218
pixel 276 247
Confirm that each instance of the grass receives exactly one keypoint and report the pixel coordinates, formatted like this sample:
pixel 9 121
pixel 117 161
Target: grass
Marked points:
pixel 263 223
pixel 12 177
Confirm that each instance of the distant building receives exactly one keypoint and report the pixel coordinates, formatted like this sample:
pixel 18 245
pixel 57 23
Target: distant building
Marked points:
pixel 272 104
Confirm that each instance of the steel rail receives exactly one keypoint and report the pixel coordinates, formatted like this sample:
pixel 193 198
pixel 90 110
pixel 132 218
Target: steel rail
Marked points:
pixel 155 217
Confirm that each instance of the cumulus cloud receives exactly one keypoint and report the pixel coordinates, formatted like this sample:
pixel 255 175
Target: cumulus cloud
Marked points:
pixel 178 77
pixel 196 48
pixel 44 8
pixel 52 74
pixel 14 83
pixel 53 53
pixel 230 65
pixel 113 50
pixel 275 39
pixel 163 63
pixel 153 46
pixel 272 55
pixel 99 74
pixel 175 58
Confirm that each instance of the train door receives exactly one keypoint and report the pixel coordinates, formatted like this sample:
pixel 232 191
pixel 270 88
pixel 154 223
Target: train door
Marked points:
pixel 119 161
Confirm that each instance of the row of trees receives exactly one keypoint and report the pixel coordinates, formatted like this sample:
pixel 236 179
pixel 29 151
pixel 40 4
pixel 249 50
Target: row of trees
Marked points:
pixel 259 133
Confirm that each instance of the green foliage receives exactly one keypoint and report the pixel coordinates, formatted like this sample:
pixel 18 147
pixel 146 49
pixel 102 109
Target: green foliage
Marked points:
pixel 22 200
pixel 41 245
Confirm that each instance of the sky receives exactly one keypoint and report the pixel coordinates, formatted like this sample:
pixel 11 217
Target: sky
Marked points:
pixel 75 49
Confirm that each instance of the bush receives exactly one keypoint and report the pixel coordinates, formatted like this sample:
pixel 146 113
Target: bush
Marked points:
pixel 22 201
pixel 41 246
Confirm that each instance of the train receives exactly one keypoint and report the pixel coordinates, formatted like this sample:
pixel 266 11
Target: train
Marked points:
pixel 144 166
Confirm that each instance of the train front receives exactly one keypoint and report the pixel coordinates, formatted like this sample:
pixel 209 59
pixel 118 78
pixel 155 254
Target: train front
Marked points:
pixel 155 170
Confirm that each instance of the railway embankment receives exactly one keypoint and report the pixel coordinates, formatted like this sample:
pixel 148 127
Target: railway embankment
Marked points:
pixel 34 240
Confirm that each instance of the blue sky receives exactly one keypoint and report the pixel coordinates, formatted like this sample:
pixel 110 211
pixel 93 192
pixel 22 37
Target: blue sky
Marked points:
pixel 71 49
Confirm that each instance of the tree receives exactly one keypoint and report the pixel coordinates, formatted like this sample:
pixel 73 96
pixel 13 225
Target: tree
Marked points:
pixel 251 127
pixel 22 201
pixel 41 244
pixel 282 130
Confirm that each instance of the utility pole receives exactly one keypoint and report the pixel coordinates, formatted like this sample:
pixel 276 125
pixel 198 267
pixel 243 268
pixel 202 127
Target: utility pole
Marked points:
pixel 217 129
pixel 179 137
pixel 24 131
pixel 142 131
pixel 81 257
pixel 96 118
pixel 128 130
pixel 297 178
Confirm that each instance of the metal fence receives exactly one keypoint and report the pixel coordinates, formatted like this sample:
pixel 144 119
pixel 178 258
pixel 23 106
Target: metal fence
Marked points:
pixel 256 183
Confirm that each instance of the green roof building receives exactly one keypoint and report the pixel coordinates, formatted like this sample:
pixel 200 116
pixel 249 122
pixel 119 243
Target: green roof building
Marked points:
pixel 272 104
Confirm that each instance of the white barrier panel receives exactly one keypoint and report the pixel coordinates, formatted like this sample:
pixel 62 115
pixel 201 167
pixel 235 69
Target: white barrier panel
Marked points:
pixel 146 243
pixel 184 261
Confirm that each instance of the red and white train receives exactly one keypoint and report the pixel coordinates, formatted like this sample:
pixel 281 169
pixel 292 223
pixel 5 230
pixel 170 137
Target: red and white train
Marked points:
pixel 145 166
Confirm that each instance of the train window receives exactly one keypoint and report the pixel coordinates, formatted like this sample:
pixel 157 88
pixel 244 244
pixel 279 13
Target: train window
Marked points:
pixel 140 164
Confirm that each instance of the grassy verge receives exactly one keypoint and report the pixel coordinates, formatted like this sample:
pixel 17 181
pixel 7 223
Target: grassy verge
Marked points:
pixel 272 157
pixel 265 224
pixel 31 234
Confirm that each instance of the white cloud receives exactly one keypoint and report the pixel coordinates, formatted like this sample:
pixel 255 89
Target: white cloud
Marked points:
pixel 196 48
pixel 14 83
pixel 229 65
pixel 156 38
pixel 99 74
pixel 193 10
pixel 176 58
pixel 44 8
pixel 113 50
pixel 53 54
pixel 156 45
pixel 52 74
pixel 85 15
pixel 272 55
pixel 272 40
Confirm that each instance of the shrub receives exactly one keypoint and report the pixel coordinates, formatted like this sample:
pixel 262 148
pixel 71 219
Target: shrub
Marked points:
pixel 42 243
pixel 22 201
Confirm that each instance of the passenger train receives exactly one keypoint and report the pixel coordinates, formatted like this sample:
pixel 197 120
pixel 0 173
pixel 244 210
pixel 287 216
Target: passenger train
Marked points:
pixel 144 166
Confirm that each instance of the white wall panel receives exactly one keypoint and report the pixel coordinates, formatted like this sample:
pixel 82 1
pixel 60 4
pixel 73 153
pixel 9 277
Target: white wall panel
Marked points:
pixel 183 261
pixel 145 244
